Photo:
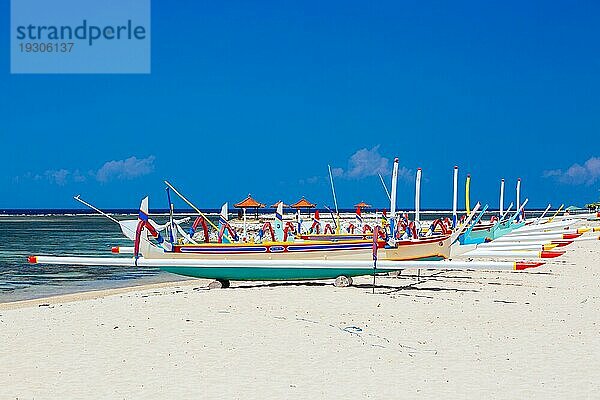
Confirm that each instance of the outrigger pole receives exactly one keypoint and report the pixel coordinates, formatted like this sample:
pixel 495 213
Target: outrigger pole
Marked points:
pixel 418 196
pixel 124 226
pixel 332 217
pixel 79 199
pixel 519 211
pixel 385 187
pixel 393 198
pixel 455 198
pixel 99 211
pixel 189 203
pixel 502 217
pixel 518 193
pixel 476 220
pixel 537 221
pixel 337 213
pixel 556 213
pixel 501 197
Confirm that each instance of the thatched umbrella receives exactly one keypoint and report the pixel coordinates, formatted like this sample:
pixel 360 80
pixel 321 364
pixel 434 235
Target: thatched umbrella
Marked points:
pixel 362 205
pixel 303 203
pixel 248 202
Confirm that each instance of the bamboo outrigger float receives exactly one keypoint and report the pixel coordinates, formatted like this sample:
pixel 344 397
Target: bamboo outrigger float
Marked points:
pixel 280 269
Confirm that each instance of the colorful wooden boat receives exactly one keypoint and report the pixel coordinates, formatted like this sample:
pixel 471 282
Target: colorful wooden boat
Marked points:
pixel 278 260
pixel 432 248
pixel 285 258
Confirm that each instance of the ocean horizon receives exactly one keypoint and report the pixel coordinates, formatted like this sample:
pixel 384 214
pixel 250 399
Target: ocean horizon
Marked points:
pixel 233 211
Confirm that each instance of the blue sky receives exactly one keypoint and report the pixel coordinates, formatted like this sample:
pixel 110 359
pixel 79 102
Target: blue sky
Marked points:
pixel 258 97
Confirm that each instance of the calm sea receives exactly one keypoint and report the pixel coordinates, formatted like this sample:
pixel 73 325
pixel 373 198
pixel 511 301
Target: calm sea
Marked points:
pixel 63 235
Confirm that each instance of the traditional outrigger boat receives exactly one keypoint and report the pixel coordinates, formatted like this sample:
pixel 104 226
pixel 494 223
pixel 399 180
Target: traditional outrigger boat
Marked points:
pixel 290 254
pixel 274 261
pixel 285 243
pixel 280 247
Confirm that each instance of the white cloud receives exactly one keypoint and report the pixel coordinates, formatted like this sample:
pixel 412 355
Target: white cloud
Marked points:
pixel 129 168
pixel 335 172
pixel 406 174
pixel 366 163
pixel 78 176
pixel 369 162
pixel 58 176
pixel 576 174
pixel 551 173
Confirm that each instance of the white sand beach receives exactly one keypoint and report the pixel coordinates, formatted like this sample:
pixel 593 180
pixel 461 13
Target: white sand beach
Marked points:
pixel 454 335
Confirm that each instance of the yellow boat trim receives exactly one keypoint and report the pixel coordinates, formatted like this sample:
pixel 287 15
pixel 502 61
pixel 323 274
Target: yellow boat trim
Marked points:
pixel 270 243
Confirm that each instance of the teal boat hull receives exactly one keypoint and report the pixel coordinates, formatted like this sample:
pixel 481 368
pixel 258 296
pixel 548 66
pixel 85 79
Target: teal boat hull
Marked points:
pixel 480 236
pixel 275 274
pixel 503 229
pixel 268 274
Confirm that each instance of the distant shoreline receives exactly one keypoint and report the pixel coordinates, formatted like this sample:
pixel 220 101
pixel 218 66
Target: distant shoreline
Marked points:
pixel 163 211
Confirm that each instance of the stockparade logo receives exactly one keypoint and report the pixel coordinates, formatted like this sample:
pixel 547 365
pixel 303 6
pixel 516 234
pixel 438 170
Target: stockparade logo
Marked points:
pixel 80 36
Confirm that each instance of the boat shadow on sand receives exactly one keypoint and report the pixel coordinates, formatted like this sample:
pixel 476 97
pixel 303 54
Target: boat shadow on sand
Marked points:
pixel 379 288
